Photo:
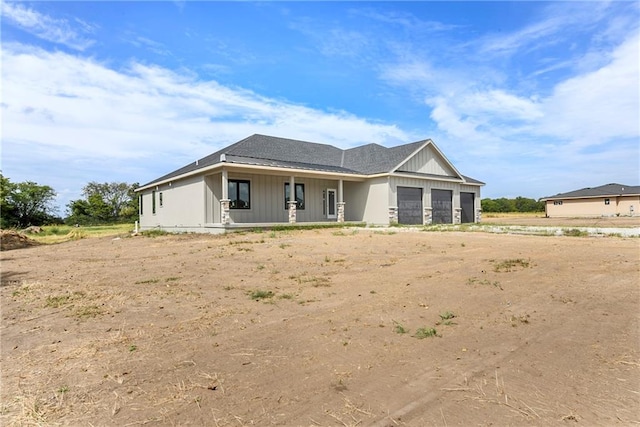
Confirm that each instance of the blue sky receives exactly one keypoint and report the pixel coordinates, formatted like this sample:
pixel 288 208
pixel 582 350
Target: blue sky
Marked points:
pixel 533 98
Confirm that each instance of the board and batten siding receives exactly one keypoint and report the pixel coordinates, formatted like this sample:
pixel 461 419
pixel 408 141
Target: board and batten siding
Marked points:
pixel 268 199
pixel 427 161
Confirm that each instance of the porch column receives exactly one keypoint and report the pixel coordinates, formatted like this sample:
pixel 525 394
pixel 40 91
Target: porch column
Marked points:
pixel 340 201
pixel 225 203
pixel 292 200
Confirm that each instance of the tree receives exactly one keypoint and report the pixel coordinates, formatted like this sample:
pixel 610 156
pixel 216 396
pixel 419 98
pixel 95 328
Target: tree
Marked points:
pixel 104 203
pixel 25 203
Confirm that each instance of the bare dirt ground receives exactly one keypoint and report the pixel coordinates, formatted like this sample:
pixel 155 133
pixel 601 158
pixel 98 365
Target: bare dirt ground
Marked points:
pixel 305 328
pixel 541 221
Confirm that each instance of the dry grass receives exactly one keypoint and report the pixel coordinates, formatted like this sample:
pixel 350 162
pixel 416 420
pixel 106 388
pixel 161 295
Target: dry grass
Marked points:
pixel 63 233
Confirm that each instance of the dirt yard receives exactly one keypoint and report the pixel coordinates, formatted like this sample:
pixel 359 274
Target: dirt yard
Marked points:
pixel 322 328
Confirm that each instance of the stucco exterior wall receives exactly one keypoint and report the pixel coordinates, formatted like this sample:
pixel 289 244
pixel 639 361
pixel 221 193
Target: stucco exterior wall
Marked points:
pixel 629 206
pixel 367 201
pixel 182 205
pixel 593 207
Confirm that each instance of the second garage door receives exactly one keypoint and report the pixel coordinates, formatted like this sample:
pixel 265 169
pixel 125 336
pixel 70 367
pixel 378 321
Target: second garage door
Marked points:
pixel 442 206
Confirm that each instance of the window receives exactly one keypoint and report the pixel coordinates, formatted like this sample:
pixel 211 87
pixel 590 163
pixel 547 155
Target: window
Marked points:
pixel 607 201
pixel 153 202
pixel 557 202
pixel 299 196
pixel 140 205
pixel 240 194
pixel 160 199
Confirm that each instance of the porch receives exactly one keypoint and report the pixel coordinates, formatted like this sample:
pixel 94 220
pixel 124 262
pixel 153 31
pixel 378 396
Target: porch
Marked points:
pixel 236 197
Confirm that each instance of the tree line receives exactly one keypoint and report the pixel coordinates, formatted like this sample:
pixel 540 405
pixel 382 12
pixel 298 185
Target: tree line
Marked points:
pixel 519 204
pixel 27 203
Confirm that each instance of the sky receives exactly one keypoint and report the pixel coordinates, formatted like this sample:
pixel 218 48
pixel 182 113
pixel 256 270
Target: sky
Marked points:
pixel 532 98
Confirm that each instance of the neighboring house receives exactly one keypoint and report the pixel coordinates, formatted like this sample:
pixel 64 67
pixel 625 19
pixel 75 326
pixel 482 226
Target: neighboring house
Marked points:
pixel 263 180
pixel 606 200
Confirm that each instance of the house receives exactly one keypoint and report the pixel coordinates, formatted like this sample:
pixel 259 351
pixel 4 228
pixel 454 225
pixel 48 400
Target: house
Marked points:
pixel 263 180
pixel 606 200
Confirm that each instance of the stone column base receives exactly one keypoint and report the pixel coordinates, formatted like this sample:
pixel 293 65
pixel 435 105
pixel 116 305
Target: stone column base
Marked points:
pixel 478 215
pixel 292 212
pixel 428 216
pixel 341 211
pixel 225 217
pixel 457 216
pixel 393 214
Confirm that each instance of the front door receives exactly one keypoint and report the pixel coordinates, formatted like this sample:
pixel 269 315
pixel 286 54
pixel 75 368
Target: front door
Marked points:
pixel 332 203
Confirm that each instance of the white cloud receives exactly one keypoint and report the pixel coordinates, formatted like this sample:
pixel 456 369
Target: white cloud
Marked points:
pixel 46 27
pixel 75 117
pixel 601 105
pixel 572 133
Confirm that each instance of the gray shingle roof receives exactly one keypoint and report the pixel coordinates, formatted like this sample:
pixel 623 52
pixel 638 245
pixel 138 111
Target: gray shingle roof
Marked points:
pixel 289 153
pixel 602 191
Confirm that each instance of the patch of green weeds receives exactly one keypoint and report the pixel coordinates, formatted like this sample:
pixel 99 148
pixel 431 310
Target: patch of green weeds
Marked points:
pixel 171 279
pixel 24 290
pixel 260 267
pixel 144 282
pixel 445 318
pixel 60 300
pixel 508 265
pixel 57 301
pixel 475 280
pixel 447 315
pixel 283 245
pixel 133 347
pixel 88 311
pixel 260 294
pixel 227 288
pixel 425 333
pixel 385 232
pixel 316 282
pixel 63 389
pixel 154 233
pixel 574 232
pixel 286 296
pixel 399 328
